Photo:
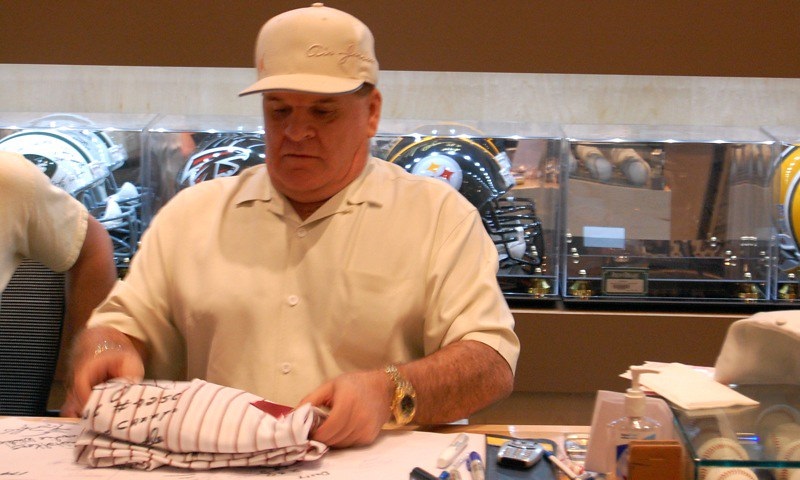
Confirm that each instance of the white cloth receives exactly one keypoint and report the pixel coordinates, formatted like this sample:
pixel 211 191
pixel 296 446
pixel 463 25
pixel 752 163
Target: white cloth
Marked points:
pixel 761 349
pixel 37 220
pixel 691 388
pixel 231 286
pixel 195 425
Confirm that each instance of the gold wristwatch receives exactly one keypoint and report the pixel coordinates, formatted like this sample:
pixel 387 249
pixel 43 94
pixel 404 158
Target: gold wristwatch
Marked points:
pixel 404 400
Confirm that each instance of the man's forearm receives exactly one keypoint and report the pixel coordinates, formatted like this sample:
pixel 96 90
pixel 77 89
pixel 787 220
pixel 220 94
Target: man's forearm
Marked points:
pixel 457 381
pixel 91 277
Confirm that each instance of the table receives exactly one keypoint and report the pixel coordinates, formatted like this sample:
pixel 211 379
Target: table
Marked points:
pixel 29 447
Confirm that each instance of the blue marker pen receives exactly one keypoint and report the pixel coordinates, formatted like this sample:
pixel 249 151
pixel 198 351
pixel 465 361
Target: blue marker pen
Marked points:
pixel 444 475
pixel 476 467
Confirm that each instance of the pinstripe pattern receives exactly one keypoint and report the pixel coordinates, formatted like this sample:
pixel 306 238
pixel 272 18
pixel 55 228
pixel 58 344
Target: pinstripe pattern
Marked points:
pixel 196 425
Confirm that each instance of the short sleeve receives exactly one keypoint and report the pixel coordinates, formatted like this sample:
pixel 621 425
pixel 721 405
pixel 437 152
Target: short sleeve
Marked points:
pixel 43 222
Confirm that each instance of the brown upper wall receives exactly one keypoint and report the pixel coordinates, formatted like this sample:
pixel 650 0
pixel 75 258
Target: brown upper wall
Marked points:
pixel 636 37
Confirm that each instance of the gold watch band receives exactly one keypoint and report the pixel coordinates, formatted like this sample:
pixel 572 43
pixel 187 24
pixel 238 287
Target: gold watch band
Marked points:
pixel 404 399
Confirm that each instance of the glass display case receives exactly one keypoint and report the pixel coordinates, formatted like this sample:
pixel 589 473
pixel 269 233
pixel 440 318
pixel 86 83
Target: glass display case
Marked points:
pixel 607 213
pixel 183 150
pixel 96 157
pixel 510 172
pixel 784 205
pixel 760 442
pixel 667 213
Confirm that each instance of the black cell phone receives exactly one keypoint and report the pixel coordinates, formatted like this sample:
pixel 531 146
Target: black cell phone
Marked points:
pixel 518 453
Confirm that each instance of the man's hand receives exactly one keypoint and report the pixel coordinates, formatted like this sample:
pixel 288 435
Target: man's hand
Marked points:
pixel 451 383
pixel 359 406
pixel 100 354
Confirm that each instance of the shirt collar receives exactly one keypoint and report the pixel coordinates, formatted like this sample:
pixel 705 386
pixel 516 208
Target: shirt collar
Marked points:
pixel 366 188
pixel 253 185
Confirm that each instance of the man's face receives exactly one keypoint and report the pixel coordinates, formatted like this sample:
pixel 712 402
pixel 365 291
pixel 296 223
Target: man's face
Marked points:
pixel 317 144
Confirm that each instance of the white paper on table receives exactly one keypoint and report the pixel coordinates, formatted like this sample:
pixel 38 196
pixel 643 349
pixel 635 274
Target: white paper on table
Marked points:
pixel 40 449
pixel 690 387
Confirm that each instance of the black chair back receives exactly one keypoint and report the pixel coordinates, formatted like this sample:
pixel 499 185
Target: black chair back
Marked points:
pixel 31 318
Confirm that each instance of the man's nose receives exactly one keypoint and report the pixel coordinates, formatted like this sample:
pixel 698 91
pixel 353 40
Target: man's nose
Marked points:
pixel 298 129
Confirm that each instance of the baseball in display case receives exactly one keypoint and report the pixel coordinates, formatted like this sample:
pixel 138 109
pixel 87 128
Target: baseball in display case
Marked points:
pixel 183 150
pixel 667 213
pixel 96 157
pixel 510 172
pixel 785 209
pixel 744 442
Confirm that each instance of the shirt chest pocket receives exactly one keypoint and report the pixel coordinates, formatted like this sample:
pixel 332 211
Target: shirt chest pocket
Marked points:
pixel 375 312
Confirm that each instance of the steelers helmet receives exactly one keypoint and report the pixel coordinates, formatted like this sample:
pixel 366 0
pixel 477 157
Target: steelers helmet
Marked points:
pixel 222 155
pixel 482 174
pixel 465 164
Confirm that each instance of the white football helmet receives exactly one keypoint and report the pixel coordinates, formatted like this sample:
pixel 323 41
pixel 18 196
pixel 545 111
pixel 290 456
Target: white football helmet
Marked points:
pixel 81 161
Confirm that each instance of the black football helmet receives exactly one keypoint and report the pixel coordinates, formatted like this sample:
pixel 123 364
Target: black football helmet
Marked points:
pixel 482 173
pixel 222 155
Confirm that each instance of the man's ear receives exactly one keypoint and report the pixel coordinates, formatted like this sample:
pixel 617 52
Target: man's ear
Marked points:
pixel 375 104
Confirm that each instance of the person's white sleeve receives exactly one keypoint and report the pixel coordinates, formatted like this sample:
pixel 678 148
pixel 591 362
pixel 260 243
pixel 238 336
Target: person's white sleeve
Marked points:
pixel 466 301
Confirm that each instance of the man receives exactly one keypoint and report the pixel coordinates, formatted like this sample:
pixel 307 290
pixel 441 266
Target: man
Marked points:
pixel 44 223
pixel 325 276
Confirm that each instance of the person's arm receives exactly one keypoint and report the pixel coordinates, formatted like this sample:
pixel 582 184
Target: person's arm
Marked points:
pixel 90 278
pixel 452 381
pixel 451 384
pixel 100 354
pixel 121 332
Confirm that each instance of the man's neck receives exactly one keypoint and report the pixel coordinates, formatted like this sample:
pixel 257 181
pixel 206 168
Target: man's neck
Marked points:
pixel 305 210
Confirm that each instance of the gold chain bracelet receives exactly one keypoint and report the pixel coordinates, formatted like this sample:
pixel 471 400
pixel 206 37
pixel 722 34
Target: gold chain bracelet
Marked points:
pixel 105 346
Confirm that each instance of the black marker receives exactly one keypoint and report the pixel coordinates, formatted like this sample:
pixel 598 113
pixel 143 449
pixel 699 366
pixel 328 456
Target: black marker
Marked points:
pixel 421 474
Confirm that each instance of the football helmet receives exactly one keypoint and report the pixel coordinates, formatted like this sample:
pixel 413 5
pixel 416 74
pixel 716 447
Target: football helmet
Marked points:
pixel 121 215
pixel 80 161
pixel 109 152
pixel 69 159
pixel 786 196
pixel 482 173
pixel 222 155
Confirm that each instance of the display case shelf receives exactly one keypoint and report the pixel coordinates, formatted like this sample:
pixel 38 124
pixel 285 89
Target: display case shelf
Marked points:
pixel 667 214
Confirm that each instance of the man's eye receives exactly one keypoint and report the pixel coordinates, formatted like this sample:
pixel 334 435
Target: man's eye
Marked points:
pixel 324 112
pixel 280 112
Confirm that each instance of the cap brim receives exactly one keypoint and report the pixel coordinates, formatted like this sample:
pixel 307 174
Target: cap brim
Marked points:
pixel 322 84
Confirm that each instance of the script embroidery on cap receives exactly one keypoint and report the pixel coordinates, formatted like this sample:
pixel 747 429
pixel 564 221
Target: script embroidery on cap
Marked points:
pixel 318 50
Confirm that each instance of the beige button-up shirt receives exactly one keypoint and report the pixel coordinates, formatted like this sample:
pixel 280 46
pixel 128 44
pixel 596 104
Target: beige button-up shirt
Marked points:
pixel 231 286
pixel 37 220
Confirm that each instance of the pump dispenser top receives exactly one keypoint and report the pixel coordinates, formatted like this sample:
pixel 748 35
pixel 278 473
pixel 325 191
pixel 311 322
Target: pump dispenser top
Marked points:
pixel 635 399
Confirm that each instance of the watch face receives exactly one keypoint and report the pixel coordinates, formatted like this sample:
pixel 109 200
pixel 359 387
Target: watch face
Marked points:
pixel 407 405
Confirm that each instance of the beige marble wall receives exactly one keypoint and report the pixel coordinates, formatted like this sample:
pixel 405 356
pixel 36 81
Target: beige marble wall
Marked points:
pixel 537 98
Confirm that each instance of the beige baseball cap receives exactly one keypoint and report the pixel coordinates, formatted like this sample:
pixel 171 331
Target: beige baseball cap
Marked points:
pixel 316 49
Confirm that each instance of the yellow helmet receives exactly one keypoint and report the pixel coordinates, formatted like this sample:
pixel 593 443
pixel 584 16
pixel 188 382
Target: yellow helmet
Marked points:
pixel 785 186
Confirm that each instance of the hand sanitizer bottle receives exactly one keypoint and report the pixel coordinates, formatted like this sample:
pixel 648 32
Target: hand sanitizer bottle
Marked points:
pixel 633 426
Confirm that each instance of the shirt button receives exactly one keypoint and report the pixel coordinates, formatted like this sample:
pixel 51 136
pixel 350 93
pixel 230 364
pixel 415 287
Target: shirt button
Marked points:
pixel 302 232
pixel 286 367
pixel 293 300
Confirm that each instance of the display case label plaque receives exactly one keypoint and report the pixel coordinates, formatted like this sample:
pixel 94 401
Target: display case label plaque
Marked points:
pixel 624 281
